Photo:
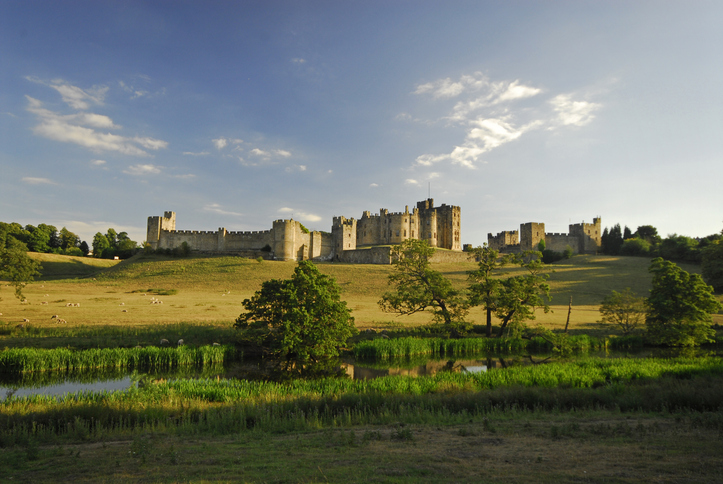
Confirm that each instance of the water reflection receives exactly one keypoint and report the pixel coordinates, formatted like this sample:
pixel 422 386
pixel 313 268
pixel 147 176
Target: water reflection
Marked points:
pixel 58 383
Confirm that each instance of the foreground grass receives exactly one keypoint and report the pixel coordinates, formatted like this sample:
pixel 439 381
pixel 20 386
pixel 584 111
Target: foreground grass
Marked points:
pixel 595 446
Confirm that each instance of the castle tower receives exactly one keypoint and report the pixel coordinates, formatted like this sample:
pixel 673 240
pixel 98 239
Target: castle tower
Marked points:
pixel 156 225
pixel 531 234
pixel 343 233
pixel 284 239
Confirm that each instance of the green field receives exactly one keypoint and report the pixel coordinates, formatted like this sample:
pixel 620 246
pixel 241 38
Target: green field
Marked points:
pixel 592 420
pixel 211 290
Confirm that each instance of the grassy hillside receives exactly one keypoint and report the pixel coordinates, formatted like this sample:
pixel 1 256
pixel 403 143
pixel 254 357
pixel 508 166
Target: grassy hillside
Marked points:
pixel 211 290
pixel 68 267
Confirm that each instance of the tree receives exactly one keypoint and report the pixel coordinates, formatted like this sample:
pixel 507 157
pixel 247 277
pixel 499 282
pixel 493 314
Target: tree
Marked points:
pixel 485 284
pixel 623 309
pixel 100 243
pixel 712 265
pixel 522 295
pixel 513 299
pixel 68 239
pixel 635 247
pixel 627 233
pixel 16 266
pixel 298 320
pixel 648 233
pixel 418 287
pixel 679 306
pixel 679 248
pixel 612 241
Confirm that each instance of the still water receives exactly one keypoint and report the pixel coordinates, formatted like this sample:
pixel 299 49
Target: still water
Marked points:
pixel 57 384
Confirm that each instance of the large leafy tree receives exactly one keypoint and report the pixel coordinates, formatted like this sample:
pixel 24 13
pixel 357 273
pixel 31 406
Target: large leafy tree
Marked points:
pixel 624 309
pixel 298 320
pixel 100 243
pixel 612 241
pixel 514 299
pixel 16 266
pixel 418 287
pixel 485 282
pixel 679 306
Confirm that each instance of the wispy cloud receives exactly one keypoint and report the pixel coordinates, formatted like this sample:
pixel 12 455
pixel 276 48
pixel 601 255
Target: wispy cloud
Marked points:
pixel 295 168
pixel 81 129
pixel 490 116
pixel 216 208
pixel 298 60
pixel 74 96
pixel 201 153
pixel 142 170
pixel 573 113
pixel 300 215
pixel 30 180
pixel 221 143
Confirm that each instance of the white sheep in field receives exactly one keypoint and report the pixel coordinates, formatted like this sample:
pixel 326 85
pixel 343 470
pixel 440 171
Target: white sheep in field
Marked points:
pixel 216 344
pixel 26 320
pixel 44 303
pixel 54 316
pixel 124 311
pixel 180 342
pixel 165 342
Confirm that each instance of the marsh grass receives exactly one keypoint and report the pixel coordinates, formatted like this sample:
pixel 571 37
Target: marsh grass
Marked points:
pixel 227 406
pixel 24 360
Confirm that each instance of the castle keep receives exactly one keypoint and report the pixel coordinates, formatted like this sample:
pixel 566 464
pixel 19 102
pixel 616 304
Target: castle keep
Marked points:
pixel 582 238
pixel 287 240
pixel 439 226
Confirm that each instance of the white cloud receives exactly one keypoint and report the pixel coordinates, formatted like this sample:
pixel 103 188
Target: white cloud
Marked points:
pixel 141 170
pixel 30 180
pixel 216 208
pixel 575 113
pixel 300 215
pixel 293 168
pixel 488 113
pixel 73 129
pixel 74 96
pixel 373 185
pixel 298 60
pixel 98 162
pixel 221 143
pixel 201 153
pixel 411 181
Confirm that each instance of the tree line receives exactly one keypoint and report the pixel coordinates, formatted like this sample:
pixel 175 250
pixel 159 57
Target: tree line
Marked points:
pixel 47 239
pixel 645 242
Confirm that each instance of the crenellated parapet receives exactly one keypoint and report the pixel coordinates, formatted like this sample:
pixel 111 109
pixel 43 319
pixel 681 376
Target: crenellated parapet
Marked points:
pixel 286 240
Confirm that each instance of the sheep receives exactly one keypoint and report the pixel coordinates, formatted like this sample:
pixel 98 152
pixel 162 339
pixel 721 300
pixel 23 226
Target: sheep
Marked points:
pixel 20 326
pixel 124 311
pixel 216 344
pixel 164 342
pixel 26 320
pixel 180 342
pixel 69 305
pixel 122 304
pixel 54 316
pixel 44 303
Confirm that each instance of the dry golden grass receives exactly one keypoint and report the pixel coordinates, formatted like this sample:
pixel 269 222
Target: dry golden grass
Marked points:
pixel 210 290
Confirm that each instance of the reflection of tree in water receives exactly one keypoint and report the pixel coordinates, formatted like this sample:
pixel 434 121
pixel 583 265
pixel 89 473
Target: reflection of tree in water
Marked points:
pixel 11 392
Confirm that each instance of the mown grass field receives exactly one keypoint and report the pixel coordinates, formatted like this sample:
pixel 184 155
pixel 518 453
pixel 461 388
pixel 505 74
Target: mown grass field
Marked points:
pixel 210 290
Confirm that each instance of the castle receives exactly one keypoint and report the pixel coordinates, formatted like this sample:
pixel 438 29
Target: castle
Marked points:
pixel 289 240
pixel 582 238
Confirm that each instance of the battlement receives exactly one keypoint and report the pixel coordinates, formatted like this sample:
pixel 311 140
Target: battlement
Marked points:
pixel 581 238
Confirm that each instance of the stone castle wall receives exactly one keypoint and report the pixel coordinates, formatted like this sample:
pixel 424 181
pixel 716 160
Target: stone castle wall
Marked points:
pixel 285 241
pixel 582 238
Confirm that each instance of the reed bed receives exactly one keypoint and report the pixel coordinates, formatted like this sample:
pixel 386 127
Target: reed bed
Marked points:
pixel 223 406
pixel 383 349
pixel 23 360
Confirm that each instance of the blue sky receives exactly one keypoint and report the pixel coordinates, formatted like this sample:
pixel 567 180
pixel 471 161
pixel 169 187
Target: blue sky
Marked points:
pixel 234 114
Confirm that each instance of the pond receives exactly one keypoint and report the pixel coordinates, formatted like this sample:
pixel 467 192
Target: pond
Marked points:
pixel 57 383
